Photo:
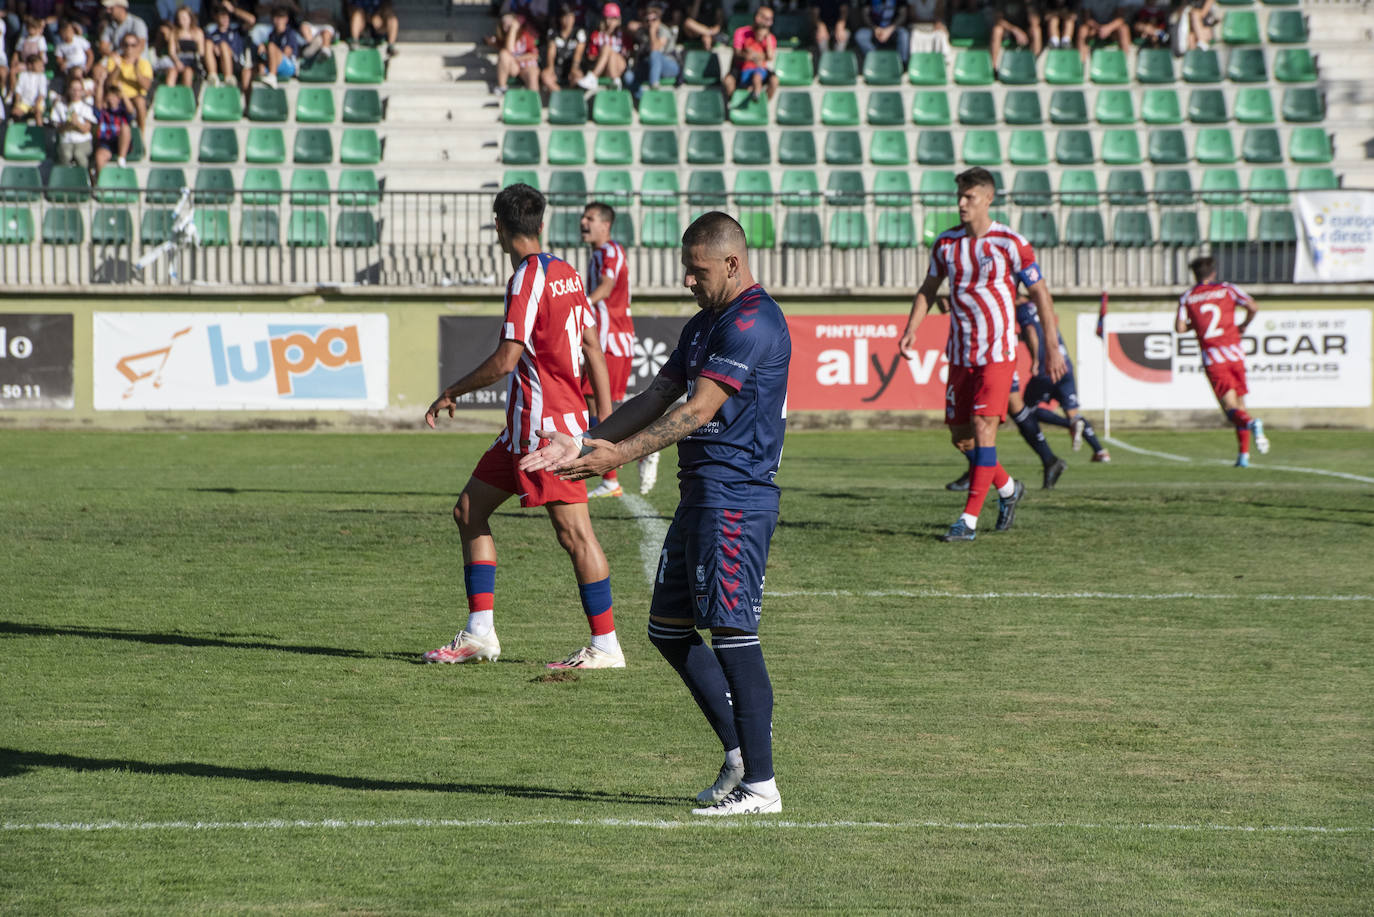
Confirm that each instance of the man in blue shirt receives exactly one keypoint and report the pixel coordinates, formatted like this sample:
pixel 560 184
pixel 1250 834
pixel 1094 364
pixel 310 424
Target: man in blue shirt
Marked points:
pixel 731 363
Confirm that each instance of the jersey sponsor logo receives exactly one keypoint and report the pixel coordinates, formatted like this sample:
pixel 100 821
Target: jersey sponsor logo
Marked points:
pixel 565 285
pixel 717 358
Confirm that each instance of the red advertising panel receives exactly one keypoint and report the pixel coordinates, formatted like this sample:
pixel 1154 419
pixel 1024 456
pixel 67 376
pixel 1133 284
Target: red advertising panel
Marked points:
pixel 851 363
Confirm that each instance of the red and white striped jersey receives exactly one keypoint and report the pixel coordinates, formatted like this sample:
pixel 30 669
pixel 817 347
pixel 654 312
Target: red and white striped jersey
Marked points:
pixel 983 273
pixel 613 322
pixel 546 311
pixel 1211 309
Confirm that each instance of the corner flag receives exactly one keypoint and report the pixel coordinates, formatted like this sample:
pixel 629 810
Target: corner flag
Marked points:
pixel 1102 314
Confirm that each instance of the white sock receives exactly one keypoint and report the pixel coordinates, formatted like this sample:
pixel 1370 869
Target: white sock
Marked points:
pixel 607 643
pixel 1007 489
pixel 480 623
pixel 733 758
pixel 767 788
pixel 970 522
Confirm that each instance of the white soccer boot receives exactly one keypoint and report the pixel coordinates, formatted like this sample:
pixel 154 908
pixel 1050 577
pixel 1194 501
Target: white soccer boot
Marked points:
pixel 648 473
pixel 606 488
pixel 589 657
pixel 728 778
pixel 1261 441
pixel 743 801
pixel 467 647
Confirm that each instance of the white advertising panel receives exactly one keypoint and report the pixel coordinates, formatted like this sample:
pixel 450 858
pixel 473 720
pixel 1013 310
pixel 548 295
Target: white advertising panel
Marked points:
pixel 1337 237
pixel 197 361
pixel 1307 359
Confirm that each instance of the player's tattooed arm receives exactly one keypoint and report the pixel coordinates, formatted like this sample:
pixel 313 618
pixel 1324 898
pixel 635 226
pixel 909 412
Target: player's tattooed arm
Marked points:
pixel 678 423
pixel 640 411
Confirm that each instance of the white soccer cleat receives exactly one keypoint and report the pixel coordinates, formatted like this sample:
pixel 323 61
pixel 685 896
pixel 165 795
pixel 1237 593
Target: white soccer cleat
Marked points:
pixel 606 488
pixel 467 647
pixel 742 801
pixel 1076 432
pixel 728 778
pixel 648 473
pixel 1261 441
pixel 589 657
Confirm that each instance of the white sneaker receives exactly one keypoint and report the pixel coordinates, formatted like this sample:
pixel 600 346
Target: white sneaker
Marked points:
pixel 270 79
pixel 1261 441
pixel 606 488
pixel 587 82
pixel 467 647
pixel 648 473
pixel 740 801
pixel 728 778
pixel 1076 432
pixel 589 657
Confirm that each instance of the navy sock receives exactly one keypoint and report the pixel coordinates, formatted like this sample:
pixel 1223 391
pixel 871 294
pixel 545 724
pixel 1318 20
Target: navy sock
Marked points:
pixel 1045 415
pixel 1033 435
pixel 700 670
pixel 1091 436
pixel 741 658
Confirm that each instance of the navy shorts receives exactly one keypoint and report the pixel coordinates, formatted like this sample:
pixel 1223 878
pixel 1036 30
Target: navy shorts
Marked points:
pixel 1065 391
pixel 712 565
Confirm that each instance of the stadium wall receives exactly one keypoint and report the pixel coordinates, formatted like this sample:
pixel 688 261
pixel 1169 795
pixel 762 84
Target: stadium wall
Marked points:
pixel 84 363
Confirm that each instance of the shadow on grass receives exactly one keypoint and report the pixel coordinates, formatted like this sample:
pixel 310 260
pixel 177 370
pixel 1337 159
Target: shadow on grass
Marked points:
pixel 14 762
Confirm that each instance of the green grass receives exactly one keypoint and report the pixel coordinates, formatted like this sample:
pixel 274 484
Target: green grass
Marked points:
pixel 222 628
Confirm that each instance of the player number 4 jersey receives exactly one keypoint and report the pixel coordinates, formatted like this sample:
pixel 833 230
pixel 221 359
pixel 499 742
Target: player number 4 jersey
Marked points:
pixel 983 274
pixel 1211 309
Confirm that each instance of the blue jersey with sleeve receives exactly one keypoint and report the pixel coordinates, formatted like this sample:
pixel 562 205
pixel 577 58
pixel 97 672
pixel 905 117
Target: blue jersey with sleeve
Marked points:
pixel 730 461
pixel 1028 318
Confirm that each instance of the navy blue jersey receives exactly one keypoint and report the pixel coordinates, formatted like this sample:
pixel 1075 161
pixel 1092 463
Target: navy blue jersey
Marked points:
pixel 730 461
pixel 1028 319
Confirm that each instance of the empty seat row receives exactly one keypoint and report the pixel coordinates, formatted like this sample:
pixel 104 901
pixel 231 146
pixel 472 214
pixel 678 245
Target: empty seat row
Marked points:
pixel 306 227
pixel 265 145
pixel 314 105
pixel 1242 27
pixel 119 185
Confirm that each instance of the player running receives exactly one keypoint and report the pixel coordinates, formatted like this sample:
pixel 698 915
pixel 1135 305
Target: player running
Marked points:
pixel 1040 389
pixel 1209 308
pixel 731 361
pixel 547 320
pixel 984 260
pixel 608 283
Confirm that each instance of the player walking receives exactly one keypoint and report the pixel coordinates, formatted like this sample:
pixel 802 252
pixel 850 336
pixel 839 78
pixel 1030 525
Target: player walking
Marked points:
pixel 1209 308
pixel 731 361
pixel 547 320
pixel 608 283
pixel 984 260
pixel 1040 389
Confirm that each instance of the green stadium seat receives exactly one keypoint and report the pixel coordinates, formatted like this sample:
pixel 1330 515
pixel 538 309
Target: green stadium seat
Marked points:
pixel 1039 228
pixel 356 229
pixel 564 228
pixel 1160 106
pixel 1261 145
pixel 268 104
pixel 797 148
pixel 623 229
pixel 1179 228
pixel 1028 148
pixel 1022 107
pixel 845 188
pixel 212 226
pixel 746 113
pixel 520 177
pixel 1074 148
pixel 614 187
pixel 843 148
pixel 308 229
pixel 1317 179
pixel 758 228
pixel 136 150
pixel 888 148
pixel 1309 145
pixel 1085 230
pixel 116 185
pixel 221 104
pixel 706 188
pixel 1202 66
pixel 1068 106
pixel 1131 229
pixel 1168 147
pixel 259 228
pixel 1269 186
pixel 566 147
pixel 221 145
pixel 1303 104
pixel 172 144
pixel 315 105
pixel 1228 227
pixel 1235 2
pixel 751 148
pixel 153 229
pixel 1109 67
pixel 981 148
pixel 1221 186
pixel 174 103
pixel 885 109
pixel 20 183
pixel 610 148
pixel 519 107
pixel 658 148
pixel 312 146
pixel 1154 65
pixel 569 107
pixel 68 185
pixel 359 188
pixel 1078 188
pixel 795 68
pixel 263 186
pixel 848 229
pixel 968 30
pixel 1287 27
pixel 309 188
pixel 700 68
pixel 896 229
pixel 660 229
pixel 658 108
pixel 317 69
pixel 1247 66
pixel 800 188
pixel 163 185
pixel 1017 68
pixel 802 229
pixel 359 146
pixel 1214 147
pixel 705 148
pixel 705 106
pixel 214 186
pixel 1173 187
pixel 1126 186
pixel 1277 227
pixel 612 107
pixel 938 188
pixel 882 68
pixel 568 189
pixel 1031 188
pixel 1254 105
pixel 1240 27
pixel 973 67
pixel 892 188
pixel 1294 65
pixel 364 65
pixel 936 222
pixel 794 109
pixel 926 68
pixel 840 108
pixel 976 107
pixel 1063 67
pixel 793 30
pixel 1114 106
pixel 837 68
pixel 63 226
pixel 1207 106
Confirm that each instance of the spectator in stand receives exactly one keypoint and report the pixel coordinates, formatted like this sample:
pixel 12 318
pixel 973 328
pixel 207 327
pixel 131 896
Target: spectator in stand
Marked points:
pixel 49 16
pixel 929 34
pixel 518 56
pixel 227 56
pixel 85 13
pixel 130 74
pixel 75 121
pixel 703 20
pixel 279 56
pixel 167 9
pixel 756 54
pixel 73 50
pixel 113 135
pixel 1151 25
pixel 379 18
pixel 655 53
pixel 882 24
pixel 1018 20
pixel 830 23
pixel 533 12
pixel 1101 20
pixel 606 50
pixel 120 24
pixel 1201 22
pixel 30 92
pixel 566 44
pixel 1060 18
pixel 185 47
pixel 30 43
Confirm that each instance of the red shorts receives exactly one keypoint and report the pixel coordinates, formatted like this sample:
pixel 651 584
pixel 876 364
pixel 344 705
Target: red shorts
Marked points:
pixel 501 469
pixel 1227 377
pixel 977 391
pixel 618 368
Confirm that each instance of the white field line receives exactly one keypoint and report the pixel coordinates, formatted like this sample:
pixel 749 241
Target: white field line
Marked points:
pixel 652 531
pixel 1258 466
pixel 1105 596
pixel 1139 451
pixel 331 824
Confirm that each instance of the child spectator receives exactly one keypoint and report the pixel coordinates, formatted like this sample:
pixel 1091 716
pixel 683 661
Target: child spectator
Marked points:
pixel 280 55
pixel 518 56
pixel 1060 19
pixel 1201 21
pixel 113 135
pixel 655 53
pixel 566 44
pixel 30 91
pixel 1101 20
pixel 73 50
pixel 883 25
pixel 48 13
pixel 185 47
pixel 606 50
pixel 130 75
pixel 928 30
pixel 704 20
pixel 830 22
pixel 1018 20
pixel 227 58
pixel 756 51
pixel 32 42
pixel 75 121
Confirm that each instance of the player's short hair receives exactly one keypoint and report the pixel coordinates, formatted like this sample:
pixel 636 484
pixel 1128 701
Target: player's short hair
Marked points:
pixel 601 211
pixel 972 178
pixel 715 230
pixel 1202 267
pixel 520 209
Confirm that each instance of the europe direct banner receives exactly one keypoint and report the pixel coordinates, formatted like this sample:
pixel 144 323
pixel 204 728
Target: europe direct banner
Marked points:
pixel 1336 242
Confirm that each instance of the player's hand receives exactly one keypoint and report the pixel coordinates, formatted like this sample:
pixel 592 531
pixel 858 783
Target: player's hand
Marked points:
pixel 561 450
pixel 907 345
pixel 603 457
pixel 1055 365
pixel 440 403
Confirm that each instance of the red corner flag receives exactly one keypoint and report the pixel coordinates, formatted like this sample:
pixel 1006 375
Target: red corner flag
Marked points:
pixel 1102 314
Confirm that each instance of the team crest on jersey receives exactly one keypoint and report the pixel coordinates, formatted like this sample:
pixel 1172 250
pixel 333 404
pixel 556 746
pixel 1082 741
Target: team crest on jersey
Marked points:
pixel 702 600
pixel 701 575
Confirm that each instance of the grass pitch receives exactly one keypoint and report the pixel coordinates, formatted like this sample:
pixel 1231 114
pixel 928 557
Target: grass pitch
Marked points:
pixel 211 703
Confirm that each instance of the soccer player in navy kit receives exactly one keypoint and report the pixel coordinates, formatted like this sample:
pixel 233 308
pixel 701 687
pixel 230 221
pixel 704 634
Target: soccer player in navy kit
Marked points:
pixel 731 362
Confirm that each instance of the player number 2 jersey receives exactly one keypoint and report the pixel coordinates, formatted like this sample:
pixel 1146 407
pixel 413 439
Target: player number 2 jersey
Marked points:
pixel 1211 309
pixel 546 311
pixel 614 325
pixel 983 273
